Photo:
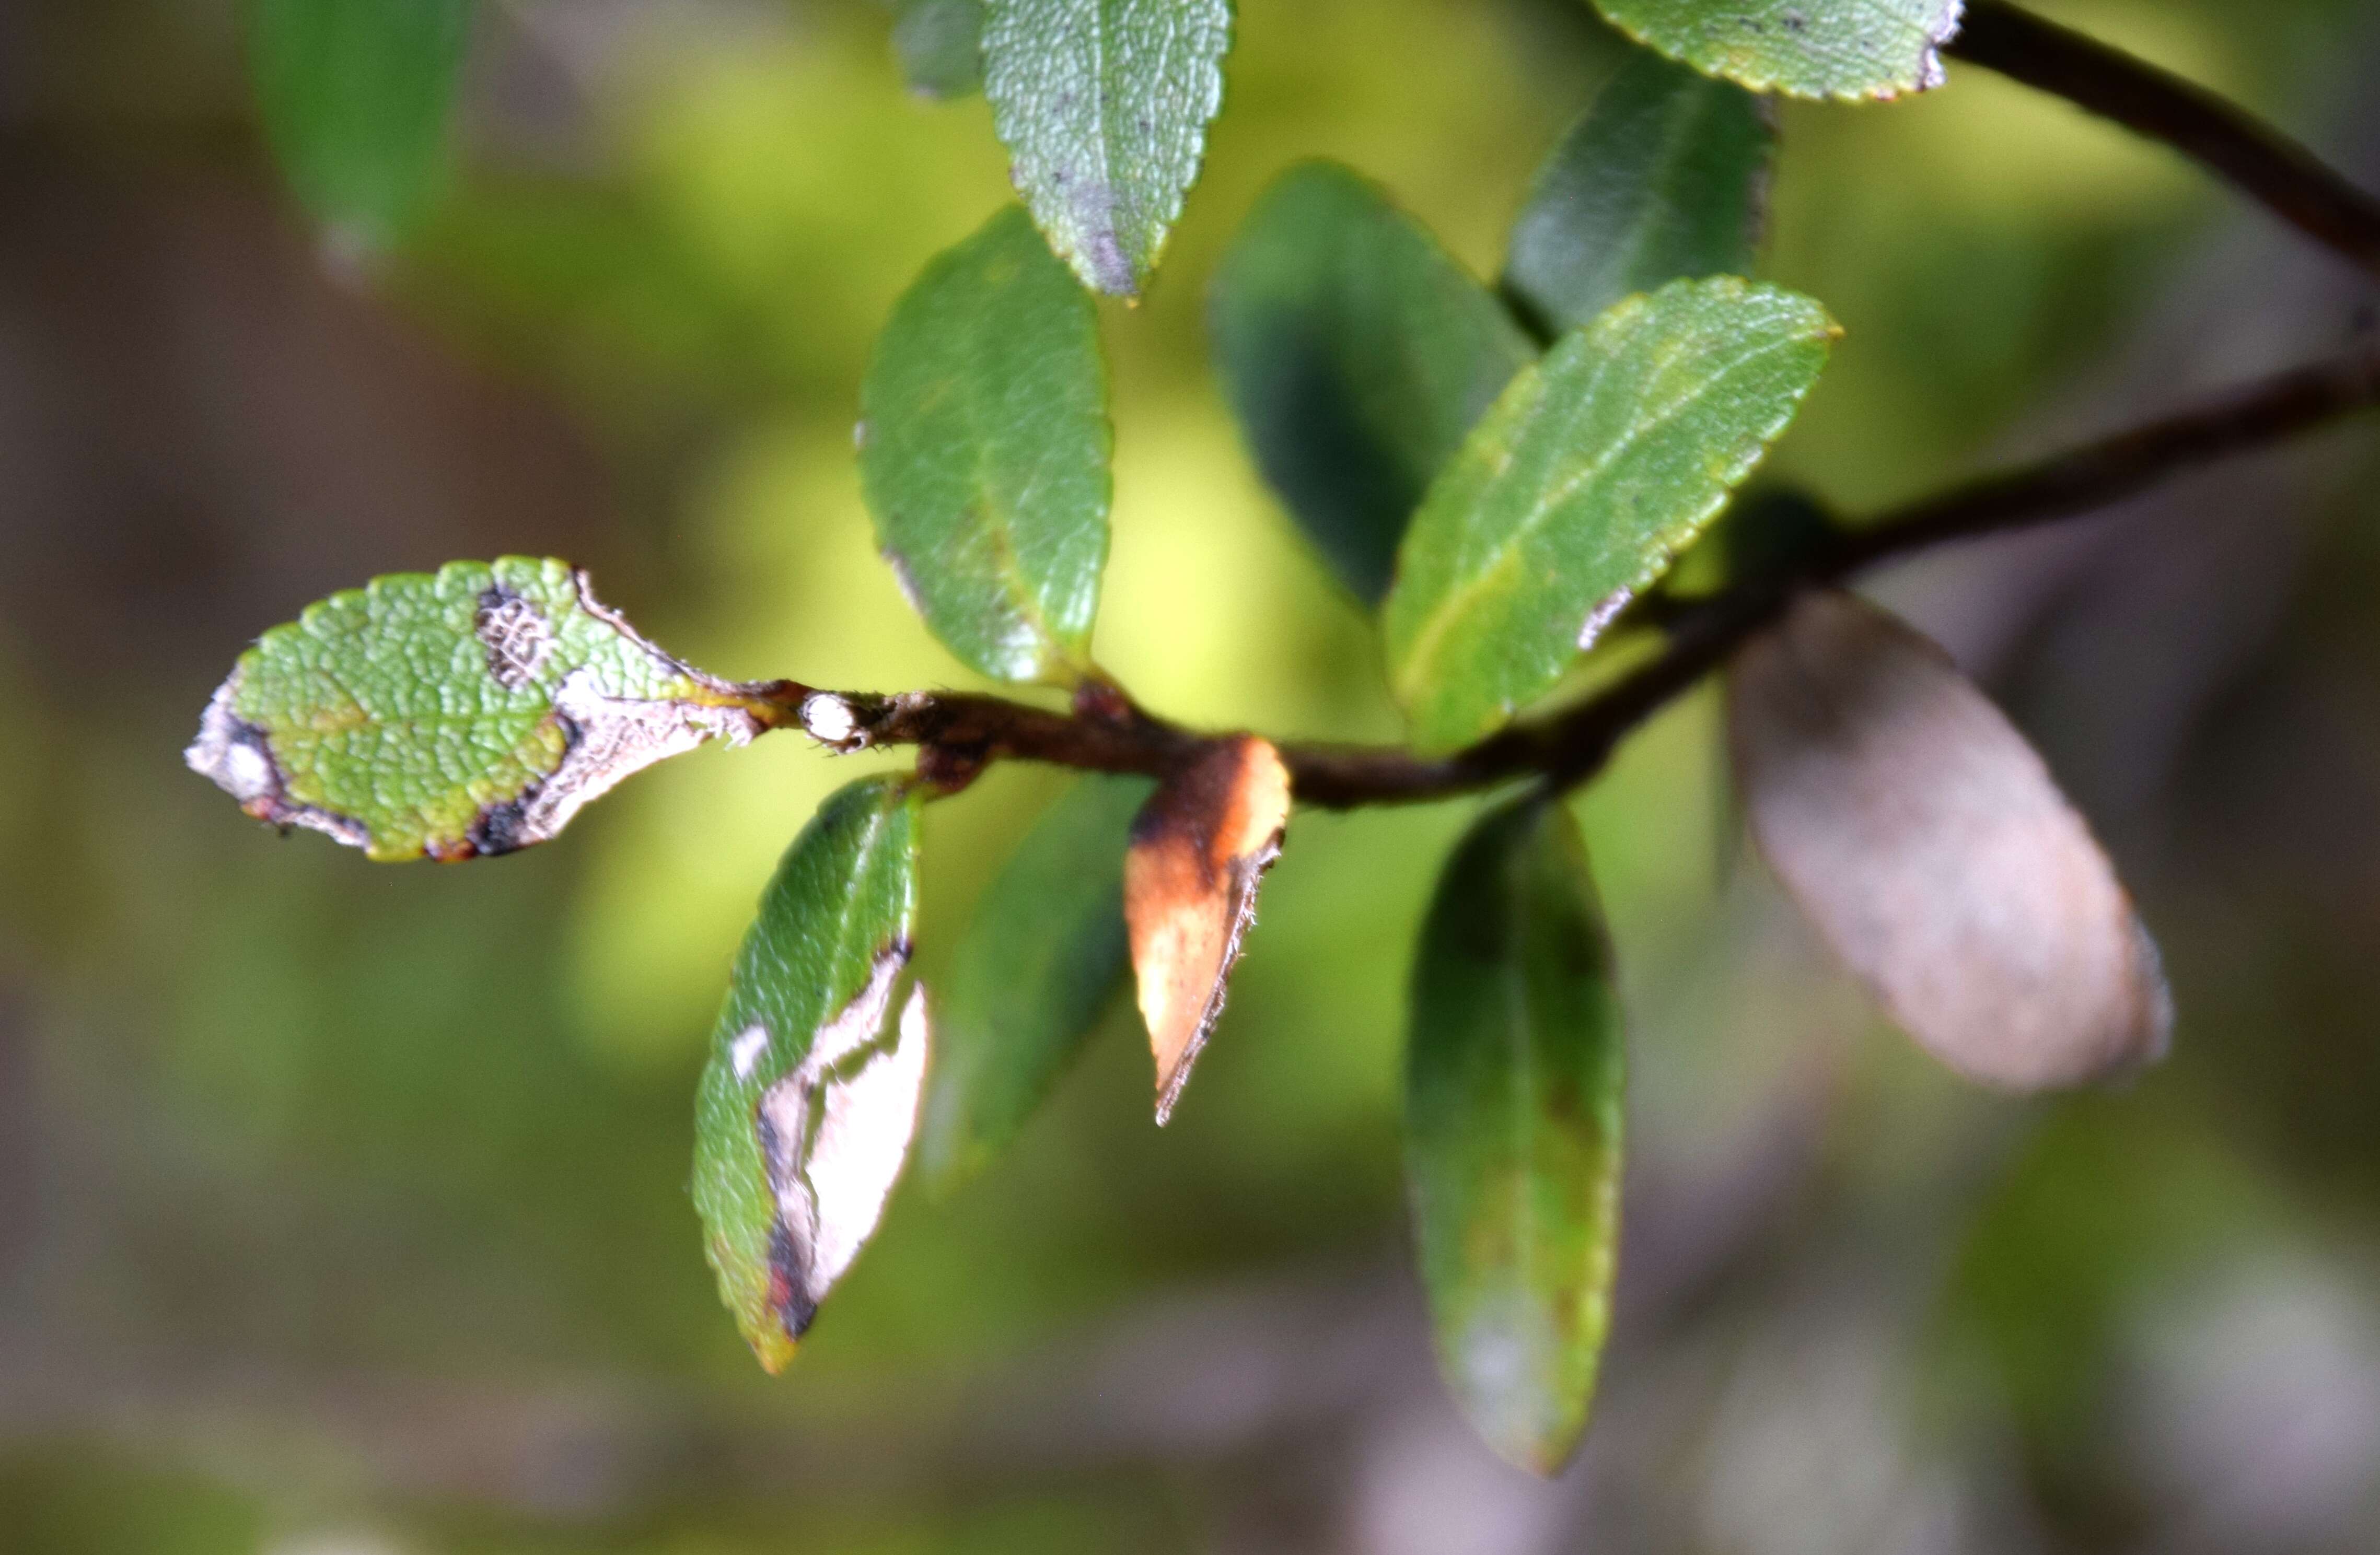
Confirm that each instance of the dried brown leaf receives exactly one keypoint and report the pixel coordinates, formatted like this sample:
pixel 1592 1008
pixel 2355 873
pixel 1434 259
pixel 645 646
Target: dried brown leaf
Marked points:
pixel 1198 848
pixel 1929 844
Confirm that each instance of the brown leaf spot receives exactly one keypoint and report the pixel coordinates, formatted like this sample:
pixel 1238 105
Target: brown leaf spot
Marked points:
pixel 1200 848
pixel 1929 844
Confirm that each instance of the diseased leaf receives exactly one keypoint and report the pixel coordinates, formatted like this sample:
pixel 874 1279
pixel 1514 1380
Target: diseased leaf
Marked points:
pixel 810 1095
pixel 1662 179
pixel 984 446
pixel 940 43
pixel 1513 1092
pixel 459 716
pixel 1935 853
pixel 1045 952
pixel 1594 469
pixel 1806 48
pixel 1103 105
pixel 1199 849
pixel 356 96
pixel 1357 353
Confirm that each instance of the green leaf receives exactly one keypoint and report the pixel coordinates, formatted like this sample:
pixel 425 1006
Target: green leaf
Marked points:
pixel 806 1106
pixel 984 445
pixel 940 45
pixel 1103 105
pixel 1806 48
pixel 1575 492
pixel 355 95
pixel 1357 353
pixel 459 716
pixel 1662 179
pixel 1513 1081
pixel 1043 957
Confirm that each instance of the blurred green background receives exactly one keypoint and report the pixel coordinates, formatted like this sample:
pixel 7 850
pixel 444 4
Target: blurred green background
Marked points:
pixel 343 1210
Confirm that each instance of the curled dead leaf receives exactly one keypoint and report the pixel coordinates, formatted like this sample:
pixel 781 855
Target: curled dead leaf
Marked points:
pixel 1200 848
pixel 1929 844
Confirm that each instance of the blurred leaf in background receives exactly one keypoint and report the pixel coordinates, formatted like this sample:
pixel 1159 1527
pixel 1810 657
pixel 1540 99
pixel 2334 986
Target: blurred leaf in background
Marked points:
pixel 357 95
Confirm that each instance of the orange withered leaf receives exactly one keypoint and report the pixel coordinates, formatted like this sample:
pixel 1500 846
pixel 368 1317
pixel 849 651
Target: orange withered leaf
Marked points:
pixel 1198 848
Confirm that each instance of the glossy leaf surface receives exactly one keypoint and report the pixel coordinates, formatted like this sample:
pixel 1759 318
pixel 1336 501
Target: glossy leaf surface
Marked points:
pixel 1199 849
pixel 1930 845
pixel 1662 179
pixel 940 43
pixel 1806 48
pixel 461 714
pixel 1513 1117
pixel 984 453
pixel 1357 353
pixel 1580 487
pixel 356 96
pixel 1043 955
pixel 810 1095
pixel 1103 105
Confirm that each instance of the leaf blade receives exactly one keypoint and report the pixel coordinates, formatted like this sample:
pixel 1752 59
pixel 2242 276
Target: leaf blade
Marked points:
pixel 1103 105
pixel 1046 951
pixel 1357 353
pixel 1661 179
pixel 1514 1074
pixel 1928 842
pixel 804 1112
pixel 355 97
pixel 1201 848
pixel 983 454
pixel 461 714
pixel 1579 488
pixel 1807 48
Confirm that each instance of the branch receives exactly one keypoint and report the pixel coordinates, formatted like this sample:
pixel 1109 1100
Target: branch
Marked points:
pixel 2256 159
pixel 960 733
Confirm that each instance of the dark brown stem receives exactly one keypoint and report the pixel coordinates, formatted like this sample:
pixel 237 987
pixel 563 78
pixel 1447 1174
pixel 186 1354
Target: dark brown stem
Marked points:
pixel 1107 733
pixel 2259 160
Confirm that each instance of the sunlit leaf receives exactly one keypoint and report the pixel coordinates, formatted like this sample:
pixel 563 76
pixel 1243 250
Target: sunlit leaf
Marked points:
pixel 940 45
pixel 1357 353
pixel 1199 849
pixel 458 715
pixel 1103 105
pixel 356 96
pixel 984 453
pixel 1043 955
pixel 1580 487
pixel 1931 847
pixel 1662 179
pixel 1513 1115
pixel 1805 49
pixel 810 1096
pixel 1809 48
